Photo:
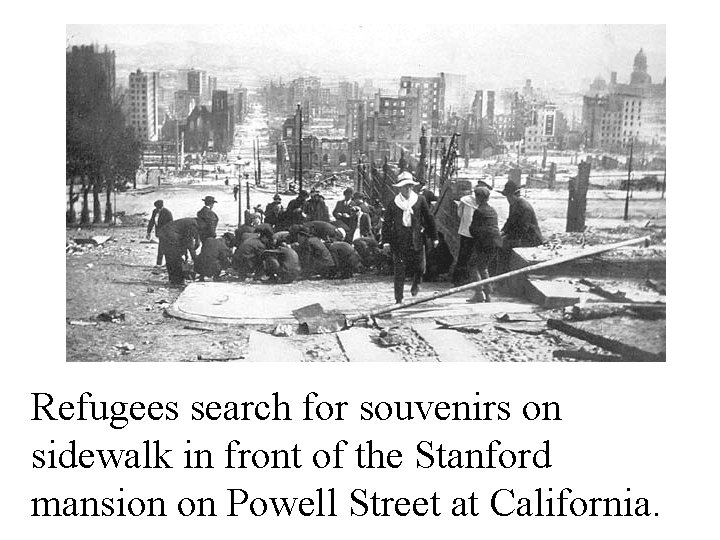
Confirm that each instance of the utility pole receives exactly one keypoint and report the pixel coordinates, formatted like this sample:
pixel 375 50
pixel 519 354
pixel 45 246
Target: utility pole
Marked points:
pixel 177 146
pixel 662 196
pixel 627 191
pixel 300 163
pixel 254 164
pixel 259 174
pixel 277 168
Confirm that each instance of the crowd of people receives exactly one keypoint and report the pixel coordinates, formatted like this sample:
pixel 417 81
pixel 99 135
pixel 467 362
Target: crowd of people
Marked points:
pixel 306 240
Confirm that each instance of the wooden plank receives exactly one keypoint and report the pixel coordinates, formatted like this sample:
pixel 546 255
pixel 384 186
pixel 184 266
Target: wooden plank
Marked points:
pixel 629 352
pixel 450 346
pixel 358 347
pixel 267 348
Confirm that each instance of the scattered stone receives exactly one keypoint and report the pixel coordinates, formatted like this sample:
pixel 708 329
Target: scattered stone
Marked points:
pixel 111 316
pixel 89 265
pixel 125 348
pixel 283 330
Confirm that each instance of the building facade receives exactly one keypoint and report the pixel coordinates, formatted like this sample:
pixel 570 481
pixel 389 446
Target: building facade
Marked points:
pixel 143 104
pixel 431 98
pixel 625 113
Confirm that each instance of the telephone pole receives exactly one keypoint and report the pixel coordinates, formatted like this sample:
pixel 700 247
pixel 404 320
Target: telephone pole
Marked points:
pixel 627 191
pixel 300 163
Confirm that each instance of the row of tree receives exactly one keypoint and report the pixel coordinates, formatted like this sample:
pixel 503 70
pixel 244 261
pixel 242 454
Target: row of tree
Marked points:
pixel 102 152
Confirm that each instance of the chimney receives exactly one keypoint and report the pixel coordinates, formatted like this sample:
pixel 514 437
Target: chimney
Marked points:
pixel 613 77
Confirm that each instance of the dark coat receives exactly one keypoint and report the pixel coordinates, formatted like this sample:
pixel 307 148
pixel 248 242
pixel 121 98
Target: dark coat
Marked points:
pixel 402 238
pixel 248 257
pixel 323 230
pixel 160 217
pixel 521 228
pixel 343 211
pixel 346 258
pixel 273 213
pixel 214 256
pixel 315 258
pixel 294 213
pixel 484 228
pixel 208 221
pixel 180 235
pixel 317 210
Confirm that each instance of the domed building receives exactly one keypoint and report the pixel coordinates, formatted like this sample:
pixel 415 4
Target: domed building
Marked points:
pixel 639 76
pixel 625 113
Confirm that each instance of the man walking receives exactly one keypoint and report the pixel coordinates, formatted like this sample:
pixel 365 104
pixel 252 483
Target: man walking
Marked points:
pixel 160 217
pixel 407 220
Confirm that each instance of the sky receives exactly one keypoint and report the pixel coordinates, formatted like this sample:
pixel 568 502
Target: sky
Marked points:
pixel 498 54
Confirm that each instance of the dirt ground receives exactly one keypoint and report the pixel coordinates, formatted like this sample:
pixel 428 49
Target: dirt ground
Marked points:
pixel 120 275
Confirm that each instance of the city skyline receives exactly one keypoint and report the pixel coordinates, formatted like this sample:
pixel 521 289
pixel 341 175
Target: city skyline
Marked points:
pixel 551 55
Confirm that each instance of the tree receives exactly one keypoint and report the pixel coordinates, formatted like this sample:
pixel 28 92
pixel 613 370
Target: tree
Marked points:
pixel 100 148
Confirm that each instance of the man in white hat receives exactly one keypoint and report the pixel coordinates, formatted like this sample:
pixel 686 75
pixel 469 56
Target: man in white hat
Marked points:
pixel 407 220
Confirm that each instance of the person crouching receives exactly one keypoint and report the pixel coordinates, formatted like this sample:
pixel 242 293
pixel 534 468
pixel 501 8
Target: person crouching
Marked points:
pixel 214 256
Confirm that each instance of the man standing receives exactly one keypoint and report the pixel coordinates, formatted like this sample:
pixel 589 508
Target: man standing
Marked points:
pixel 295 215
pixel 315 208
pixel 407 220
pixel 521 228
pixel 465 211
pixel 176 238
pixel 344 212
pixel 161 216
pixel 486 240
pixel 274 211
pixel 207 219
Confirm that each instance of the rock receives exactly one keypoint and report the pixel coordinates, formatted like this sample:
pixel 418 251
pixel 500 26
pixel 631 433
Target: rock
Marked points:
pixel 283 330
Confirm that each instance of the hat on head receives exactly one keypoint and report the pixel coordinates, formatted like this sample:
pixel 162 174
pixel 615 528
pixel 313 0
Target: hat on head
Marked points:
pixel 276 197
pixel 405 178
pixel 484 184
pixel 510 188
pixel 303 193
pixel 159 203
pixel 348 191
pixel 209 199
pixel 482 192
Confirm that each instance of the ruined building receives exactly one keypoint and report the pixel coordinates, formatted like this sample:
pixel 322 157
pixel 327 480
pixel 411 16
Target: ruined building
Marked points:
pixel 625 112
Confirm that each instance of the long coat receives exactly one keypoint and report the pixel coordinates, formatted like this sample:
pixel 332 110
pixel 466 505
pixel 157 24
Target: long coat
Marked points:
pixel 179 235
pixel 214 256
pixel 208 221
pixel 401 238
pixel 521 228
pixel 484 228
pixel 160 217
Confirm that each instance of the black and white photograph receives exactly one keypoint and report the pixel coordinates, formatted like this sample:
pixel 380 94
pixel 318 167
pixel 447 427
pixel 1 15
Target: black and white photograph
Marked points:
pixel 365 193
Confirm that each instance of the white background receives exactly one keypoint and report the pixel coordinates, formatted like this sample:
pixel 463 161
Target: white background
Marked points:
pixel 646 427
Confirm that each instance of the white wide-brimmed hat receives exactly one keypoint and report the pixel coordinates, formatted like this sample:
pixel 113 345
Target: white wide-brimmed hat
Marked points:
pixel 405 178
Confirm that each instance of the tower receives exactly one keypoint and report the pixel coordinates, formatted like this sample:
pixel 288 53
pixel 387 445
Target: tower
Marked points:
pixel 640 75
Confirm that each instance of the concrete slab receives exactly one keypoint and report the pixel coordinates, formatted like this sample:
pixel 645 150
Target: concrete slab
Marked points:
pixel 267 348
pixel 255 303
pixel 551 294
pixel 358 347
pixel 450 346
